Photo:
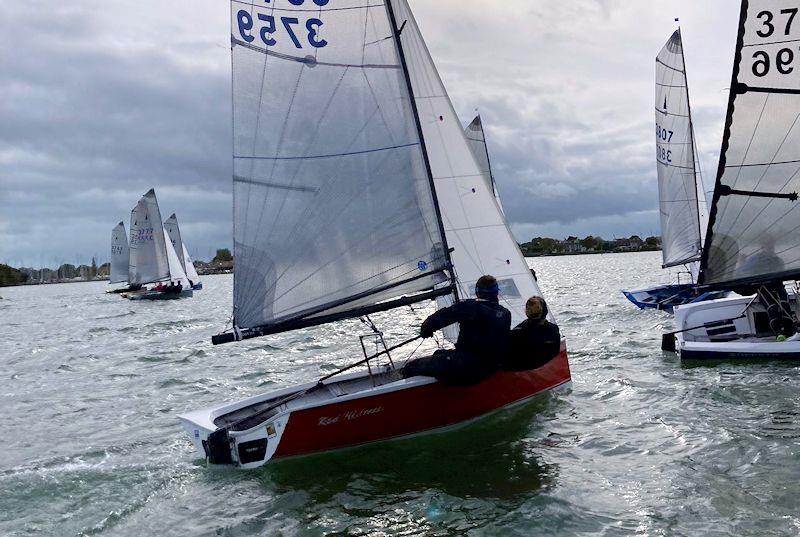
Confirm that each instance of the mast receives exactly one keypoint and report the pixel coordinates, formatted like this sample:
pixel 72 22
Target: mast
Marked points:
pixel 401 55
pixel 692 146
pixel 726 135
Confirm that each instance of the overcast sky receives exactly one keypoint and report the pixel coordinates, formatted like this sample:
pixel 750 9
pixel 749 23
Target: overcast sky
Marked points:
pixel 101 100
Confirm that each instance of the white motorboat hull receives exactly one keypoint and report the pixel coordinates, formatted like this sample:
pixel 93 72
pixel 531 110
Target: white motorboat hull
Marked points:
pixel 729 328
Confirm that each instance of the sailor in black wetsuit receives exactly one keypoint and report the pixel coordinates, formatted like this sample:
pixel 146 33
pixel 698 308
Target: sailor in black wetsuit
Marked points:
pixel 482 342
pixel 535 341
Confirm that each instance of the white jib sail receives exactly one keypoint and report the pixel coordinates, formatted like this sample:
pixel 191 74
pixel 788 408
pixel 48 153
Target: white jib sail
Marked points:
pixel 174 235
pixel 474 225
pixel 148 251
pixel 191 272
pixel 476 138
pixel 176 272
pixel 675 159
pixel 120 254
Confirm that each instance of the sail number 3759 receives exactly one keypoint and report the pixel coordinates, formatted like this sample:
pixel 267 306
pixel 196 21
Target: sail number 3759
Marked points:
pixel 772 23
pixel 271 29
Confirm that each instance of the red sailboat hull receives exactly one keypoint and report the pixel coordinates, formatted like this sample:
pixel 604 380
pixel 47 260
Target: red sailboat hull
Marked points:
pixel 414 410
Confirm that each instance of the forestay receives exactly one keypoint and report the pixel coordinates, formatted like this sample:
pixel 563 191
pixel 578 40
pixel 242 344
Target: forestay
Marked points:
pixel 477 144
pixel 120 256
pixel 148 251
pixel 474 225
pixel 753 236
pixel 174 235
pixel 679 192
pixel 333 206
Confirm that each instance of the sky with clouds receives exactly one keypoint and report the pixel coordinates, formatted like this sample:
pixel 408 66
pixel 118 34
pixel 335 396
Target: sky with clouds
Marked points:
pixel 101 100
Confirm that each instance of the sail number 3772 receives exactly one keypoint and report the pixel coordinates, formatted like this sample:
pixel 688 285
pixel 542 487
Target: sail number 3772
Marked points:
pixel 270 29
pixel 774 24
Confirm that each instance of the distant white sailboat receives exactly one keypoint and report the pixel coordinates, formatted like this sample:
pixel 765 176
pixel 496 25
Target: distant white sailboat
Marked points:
pixel 682 200
pixel 153 259
pixel 120 259
pixel 175 237
pixel 191 271
pixel 477 144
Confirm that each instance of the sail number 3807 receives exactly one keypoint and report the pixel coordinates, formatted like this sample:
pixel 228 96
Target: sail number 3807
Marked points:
pixel 663 154
pixel 779 22
pixel 268 30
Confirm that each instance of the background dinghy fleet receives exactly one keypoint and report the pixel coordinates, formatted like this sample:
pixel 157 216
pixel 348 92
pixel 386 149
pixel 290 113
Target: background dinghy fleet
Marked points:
pixel 154 264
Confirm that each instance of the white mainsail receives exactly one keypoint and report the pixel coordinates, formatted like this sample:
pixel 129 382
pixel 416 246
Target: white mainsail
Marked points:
pixel 120 254
pixel 148 250
pixel 681 197
pixel 333 207
pixel 191 272
pixel 754 220
pixel 477 144
pixel 474 224
pixel 348 193
pixel 174 235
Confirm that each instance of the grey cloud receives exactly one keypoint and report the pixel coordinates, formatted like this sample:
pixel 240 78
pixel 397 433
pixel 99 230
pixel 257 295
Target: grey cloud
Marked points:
pixel 106 99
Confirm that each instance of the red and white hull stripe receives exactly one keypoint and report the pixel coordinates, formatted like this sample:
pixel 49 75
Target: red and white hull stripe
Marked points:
pixel 401 408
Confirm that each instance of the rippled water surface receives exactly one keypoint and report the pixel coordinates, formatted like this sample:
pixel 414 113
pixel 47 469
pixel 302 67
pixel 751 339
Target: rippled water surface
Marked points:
pixel 90 385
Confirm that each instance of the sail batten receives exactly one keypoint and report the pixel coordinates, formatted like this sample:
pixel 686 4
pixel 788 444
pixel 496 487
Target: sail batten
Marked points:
pixel 753 223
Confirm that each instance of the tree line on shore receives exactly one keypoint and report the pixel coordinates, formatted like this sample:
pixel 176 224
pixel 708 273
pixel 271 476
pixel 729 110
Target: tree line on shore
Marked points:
pixel 223 260
pixel 67 272
pixel 588 245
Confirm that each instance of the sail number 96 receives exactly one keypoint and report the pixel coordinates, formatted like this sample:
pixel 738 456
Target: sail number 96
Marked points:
pixel 779 22
pixel 783 62
pixel 268 28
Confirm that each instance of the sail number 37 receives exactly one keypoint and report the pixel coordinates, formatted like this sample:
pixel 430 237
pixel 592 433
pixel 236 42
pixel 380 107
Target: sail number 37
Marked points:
pixel 771 23
pixel 291 28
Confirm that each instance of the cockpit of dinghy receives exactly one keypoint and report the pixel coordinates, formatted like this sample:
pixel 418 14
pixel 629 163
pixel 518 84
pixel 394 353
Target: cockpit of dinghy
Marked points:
pixel 250 416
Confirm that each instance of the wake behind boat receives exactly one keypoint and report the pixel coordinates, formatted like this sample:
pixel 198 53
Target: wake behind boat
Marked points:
pixel 752 241
pixel 682 201
pixel 366 200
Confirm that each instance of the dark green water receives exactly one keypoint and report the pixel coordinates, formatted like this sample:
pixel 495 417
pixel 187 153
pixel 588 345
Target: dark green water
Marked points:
pixel 640 445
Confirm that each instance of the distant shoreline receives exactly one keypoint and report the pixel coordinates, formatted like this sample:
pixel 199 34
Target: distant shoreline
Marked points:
pixel 559 254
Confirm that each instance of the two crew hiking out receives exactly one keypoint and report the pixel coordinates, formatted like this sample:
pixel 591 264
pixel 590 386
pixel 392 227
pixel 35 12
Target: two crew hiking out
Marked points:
pixel 486 343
